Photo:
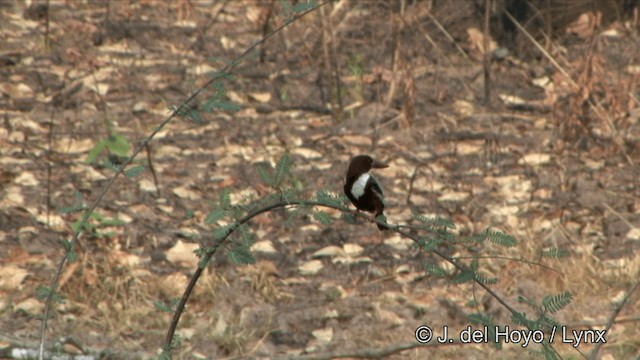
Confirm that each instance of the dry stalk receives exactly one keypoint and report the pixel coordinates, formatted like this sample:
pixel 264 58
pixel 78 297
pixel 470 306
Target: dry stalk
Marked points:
pixel 596 108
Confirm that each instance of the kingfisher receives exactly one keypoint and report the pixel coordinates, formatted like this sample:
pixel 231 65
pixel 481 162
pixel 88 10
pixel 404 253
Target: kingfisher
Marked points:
pixel 362 188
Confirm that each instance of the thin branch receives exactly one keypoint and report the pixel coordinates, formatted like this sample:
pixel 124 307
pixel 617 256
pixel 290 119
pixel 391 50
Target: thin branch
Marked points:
pixel 378 353
pixel 184 106
pixel 597 109
pixel 612 318
pixel 284 203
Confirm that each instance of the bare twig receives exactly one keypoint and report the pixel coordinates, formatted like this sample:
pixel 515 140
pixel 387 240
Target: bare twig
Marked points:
pixel 487 54
pixel 378 353
pixel 442 54
pixel 210 251
pixel 153 170
pixel 597 109
pixel 183 107
pixel 612 318
pixel 448 36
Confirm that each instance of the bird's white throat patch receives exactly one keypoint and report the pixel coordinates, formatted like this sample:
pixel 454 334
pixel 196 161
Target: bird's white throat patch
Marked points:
pixel 357 189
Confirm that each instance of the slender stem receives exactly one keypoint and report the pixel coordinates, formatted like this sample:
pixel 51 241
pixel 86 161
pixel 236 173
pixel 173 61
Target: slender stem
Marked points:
pixel 184 106
pixel 283 203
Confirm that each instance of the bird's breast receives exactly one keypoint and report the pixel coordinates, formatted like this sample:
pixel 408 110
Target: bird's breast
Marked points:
pixel 358 187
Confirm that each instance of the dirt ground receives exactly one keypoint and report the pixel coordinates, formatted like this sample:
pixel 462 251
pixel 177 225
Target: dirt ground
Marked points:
pixel 551 158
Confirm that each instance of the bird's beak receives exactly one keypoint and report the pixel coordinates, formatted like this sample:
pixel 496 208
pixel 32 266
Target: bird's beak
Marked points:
pixel 378 165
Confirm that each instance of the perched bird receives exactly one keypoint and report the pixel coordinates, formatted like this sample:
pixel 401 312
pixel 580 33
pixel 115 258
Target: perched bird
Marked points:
pixel 362 188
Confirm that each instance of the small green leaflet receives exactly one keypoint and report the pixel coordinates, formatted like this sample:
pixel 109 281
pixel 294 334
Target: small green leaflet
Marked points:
pixel 134 171
pixel 213 216
pixel 118 145
pixel 322 217
pixel 241 255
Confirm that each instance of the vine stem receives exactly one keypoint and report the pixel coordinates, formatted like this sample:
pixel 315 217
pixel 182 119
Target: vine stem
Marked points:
pixel 180 110
pixel 284 203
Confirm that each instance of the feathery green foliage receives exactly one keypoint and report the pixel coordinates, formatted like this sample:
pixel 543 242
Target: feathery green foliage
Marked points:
pixel 486 280
pixel 222 232
pixel 187 111
pixel 42 292
pixel 499 238
pixel 283 168
pixel 348 218
pixel 464 276
pixel 225 199
pixel 429 243
pixel 280 172
pixel 521 319
pixel 322 217
pixel 204 255
pixel 435 270
pixel 117 145
pixel 485 320
pixel 241 254
pixel 134 171
pixel 77 206
pixel 213 216
pixel 525 300
pixel 554 303
pixel 70 253
pixel 433 223
pixel 554 253
pixel 163 306
pixel 328 198
pixel 217 101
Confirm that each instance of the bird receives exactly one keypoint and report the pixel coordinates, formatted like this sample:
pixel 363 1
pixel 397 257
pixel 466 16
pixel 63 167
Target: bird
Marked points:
pixel 362 188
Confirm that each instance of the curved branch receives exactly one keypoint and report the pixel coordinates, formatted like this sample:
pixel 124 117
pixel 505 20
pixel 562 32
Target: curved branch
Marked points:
pixel 283 203
pixel 183 106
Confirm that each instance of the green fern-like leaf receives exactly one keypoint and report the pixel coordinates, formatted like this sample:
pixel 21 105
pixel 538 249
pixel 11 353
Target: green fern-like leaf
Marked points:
pixel 213 216
pixel 548 321
pixel 548 352
pixel 42 292
pixel 304 6
pixel 95 151
pixel 78 200
pixel 225 199
pixel 322 217
pixel 436 222
pixel 435 270
pixel 194 116
pixel 485 320
pixel 204 255
pixel 464 277
pixel 499 238
pixel 521 319
pixel 554 253
pixel 134 171
pixel 554 303
pixel 217 104
pixel 327 198
pixel 282 169
pixel 222 232
pixel 241 255
pixel 348 218
pixel 486 280
pixel 70 253
pixel 246 235
pixel 111 166
pixel 266 178
pixel 430 243
pixel 162 306
pixel 525 300
pixel 118 145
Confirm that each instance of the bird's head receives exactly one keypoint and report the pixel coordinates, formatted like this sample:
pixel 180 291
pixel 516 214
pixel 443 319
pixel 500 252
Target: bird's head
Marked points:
pixel 362 164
